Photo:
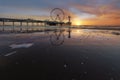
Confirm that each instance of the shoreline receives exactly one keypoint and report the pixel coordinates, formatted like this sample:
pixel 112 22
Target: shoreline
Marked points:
pixel 53 28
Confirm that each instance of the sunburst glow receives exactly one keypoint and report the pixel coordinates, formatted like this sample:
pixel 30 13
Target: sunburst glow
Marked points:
pixel 78 23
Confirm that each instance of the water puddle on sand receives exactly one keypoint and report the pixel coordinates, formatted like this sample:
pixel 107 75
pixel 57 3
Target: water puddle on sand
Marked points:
pixel 23 45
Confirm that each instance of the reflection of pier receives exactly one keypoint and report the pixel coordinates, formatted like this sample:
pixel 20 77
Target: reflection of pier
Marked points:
pixel 28 22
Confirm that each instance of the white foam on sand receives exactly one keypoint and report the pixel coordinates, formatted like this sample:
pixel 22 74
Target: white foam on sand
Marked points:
pixel 11 53
pixel 24 45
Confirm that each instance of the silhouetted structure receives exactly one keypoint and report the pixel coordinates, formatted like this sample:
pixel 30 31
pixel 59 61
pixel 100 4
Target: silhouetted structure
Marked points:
pixel 69 21
pixel 27 21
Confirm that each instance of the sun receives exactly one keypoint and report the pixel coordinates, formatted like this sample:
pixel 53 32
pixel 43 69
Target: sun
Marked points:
pixel 78 23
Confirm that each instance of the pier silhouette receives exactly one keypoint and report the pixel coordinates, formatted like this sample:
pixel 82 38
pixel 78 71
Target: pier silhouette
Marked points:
pixel 27 21
pixel 57 19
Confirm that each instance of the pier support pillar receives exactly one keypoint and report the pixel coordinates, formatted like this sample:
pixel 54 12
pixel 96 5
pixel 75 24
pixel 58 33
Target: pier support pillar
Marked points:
pixel 20 26
pixel 32 24
pixel 3 25
pixel 45 24
pixel 27 26
pixel 13 26
pixel 40 24
pixel 37 23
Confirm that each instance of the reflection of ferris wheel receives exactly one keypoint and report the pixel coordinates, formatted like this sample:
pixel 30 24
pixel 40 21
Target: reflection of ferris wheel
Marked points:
pixel 57 14
pixel 57 38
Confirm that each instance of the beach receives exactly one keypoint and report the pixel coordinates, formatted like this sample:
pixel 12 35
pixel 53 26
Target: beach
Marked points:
pixel 61 54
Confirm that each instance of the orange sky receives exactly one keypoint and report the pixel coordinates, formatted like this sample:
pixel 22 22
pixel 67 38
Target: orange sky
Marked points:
pixel 101 15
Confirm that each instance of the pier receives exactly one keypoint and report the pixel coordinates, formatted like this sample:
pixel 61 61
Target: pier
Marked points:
pixel 57 16
pixel 26 23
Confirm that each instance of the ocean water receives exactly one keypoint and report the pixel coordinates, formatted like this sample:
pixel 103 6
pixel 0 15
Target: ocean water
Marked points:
pixel 61 54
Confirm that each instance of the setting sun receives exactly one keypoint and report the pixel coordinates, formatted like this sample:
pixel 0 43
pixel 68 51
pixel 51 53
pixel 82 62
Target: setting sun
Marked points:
pixel 78 23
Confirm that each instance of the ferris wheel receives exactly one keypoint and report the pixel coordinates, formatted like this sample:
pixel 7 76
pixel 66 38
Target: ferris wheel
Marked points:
pixel 57 14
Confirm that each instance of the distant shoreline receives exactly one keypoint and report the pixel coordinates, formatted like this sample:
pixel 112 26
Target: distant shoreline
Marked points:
pixel 98 27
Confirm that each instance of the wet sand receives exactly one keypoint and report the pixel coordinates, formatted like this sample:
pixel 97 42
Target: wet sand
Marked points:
pixel 62 54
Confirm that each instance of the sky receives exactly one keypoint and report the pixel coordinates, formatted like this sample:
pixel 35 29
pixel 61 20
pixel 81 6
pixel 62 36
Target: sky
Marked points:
pixel 82 12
